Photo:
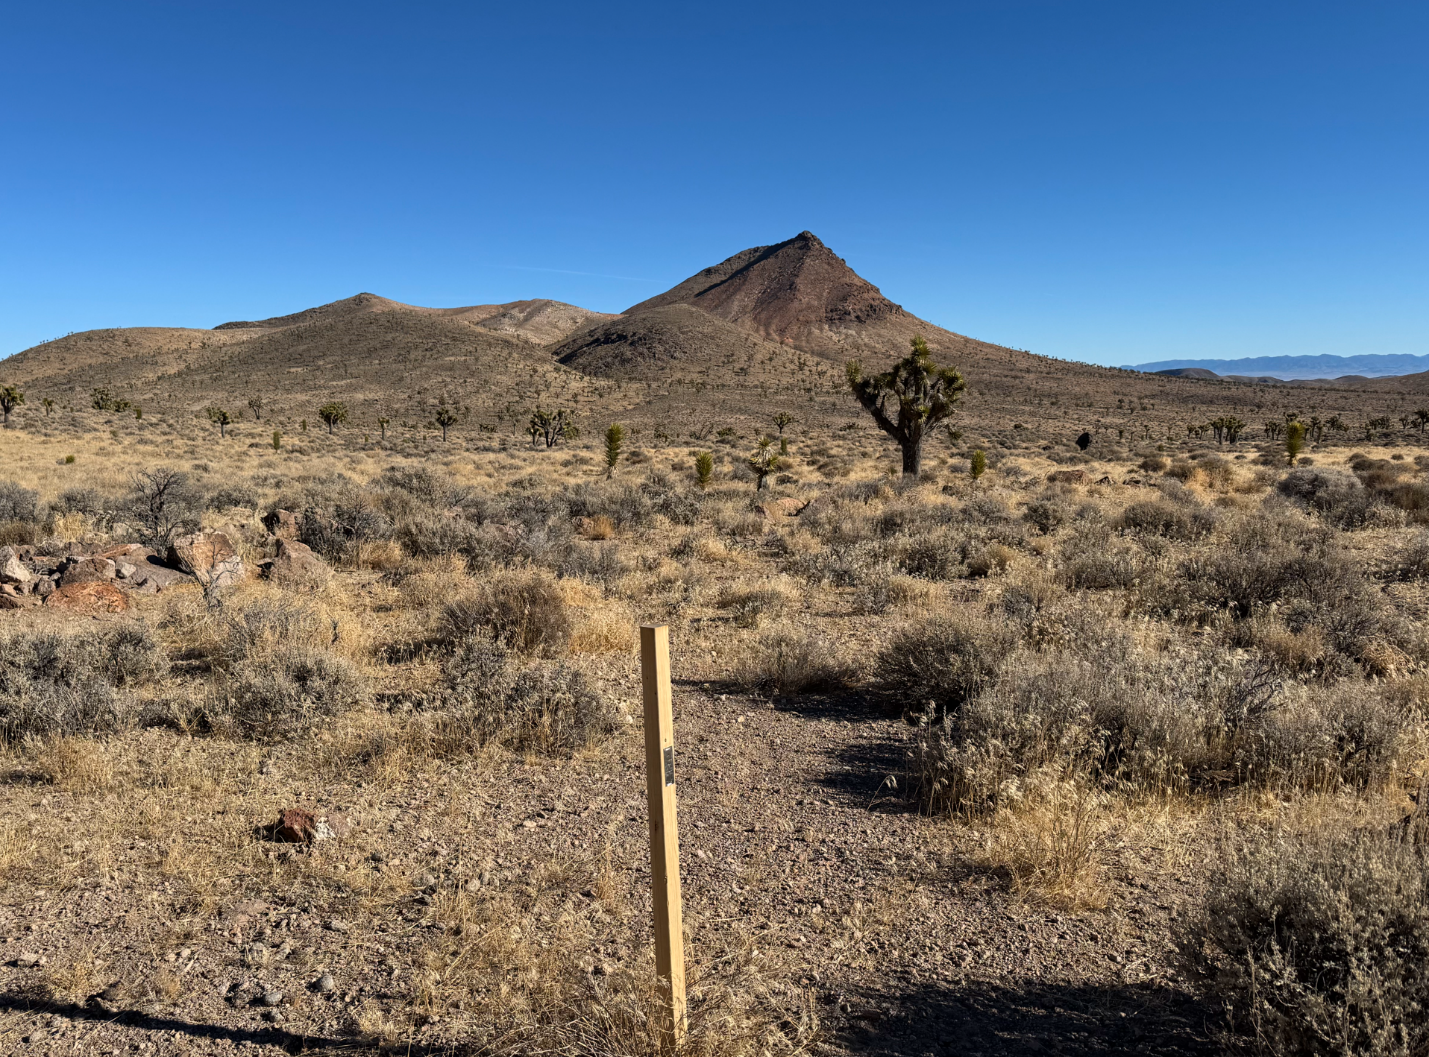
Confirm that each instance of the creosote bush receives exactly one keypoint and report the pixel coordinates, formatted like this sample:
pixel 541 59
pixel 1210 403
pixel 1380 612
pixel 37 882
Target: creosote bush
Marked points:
pixel 942 661
pixel 285 691
pixel 786 660
pixel 54 682
pixel 489 695
pixel 1317 945
pixel 523 610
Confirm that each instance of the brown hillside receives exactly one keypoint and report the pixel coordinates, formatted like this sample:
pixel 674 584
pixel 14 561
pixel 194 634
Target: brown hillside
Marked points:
pixel 541 320
pixel 671 341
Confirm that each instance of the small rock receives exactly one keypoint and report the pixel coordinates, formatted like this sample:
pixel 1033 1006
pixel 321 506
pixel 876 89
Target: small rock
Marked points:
pixel 325 984
pixel 26 961
pixel 271 998
pixel 294 826
pixel 124 570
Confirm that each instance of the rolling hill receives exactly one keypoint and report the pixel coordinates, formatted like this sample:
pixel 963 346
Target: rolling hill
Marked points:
pixel 768 328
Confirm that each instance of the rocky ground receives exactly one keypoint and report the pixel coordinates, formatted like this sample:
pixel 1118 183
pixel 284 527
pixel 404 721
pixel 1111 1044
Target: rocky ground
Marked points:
pixel 881 920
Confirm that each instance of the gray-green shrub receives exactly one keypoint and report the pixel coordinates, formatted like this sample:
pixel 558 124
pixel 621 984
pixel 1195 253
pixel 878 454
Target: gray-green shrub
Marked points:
pixel 1316 946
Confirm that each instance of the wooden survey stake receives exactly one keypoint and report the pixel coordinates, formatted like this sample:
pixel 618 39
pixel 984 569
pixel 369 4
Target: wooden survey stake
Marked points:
pixel 664 833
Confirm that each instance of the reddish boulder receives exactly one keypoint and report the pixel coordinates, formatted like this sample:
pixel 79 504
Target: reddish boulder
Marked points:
pixel 87 570
pixel 94 596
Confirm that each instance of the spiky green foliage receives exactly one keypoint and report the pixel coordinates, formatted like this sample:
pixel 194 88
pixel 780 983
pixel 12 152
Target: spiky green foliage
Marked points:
pixel 445 418
pixel 977 463
pixel 10 398
pixel 220 418
pixel 909 399
pixel 614 439
pixel 763 462
pixel 1294 440
pixel 332 414
pixel 704 468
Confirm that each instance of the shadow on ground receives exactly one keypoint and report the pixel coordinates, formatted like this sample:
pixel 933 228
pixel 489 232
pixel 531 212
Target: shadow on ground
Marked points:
pixel 1036 1018
pixel 37 1003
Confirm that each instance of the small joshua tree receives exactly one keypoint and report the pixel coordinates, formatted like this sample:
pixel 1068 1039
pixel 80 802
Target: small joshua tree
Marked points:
pixel 704 469
pixel 909 399
pixel 255 404
pixel 382 425
pixel 332 414
pixel 763 462
pixel 977 463
pixel 48 405
pixel 10 398
pixel 783 420
pixel 445 418
pixel 220 418
pixel 614 438
pixel 1294 440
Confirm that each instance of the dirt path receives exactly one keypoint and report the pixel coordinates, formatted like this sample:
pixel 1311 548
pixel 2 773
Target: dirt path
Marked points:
pixel 171 924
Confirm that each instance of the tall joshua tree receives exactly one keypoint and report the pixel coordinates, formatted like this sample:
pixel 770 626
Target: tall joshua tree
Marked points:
pixel 909 399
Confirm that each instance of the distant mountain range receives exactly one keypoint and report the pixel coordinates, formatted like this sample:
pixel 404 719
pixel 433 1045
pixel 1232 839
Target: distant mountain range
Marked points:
pixel 1290 368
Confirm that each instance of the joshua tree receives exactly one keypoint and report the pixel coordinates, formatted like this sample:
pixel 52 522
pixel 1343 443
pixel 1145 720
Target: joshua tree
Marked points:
pixel 763 462
pixel 1421 418
pixel 332 414
pixel 48 405
pixel 614 438
pixel 1274 429
pixel 1227 428
pixel 221 418
pixel 977 463
pixel 1294 440
pixel 704 469
pixel 552 427
pixel 783 420
pixel 445 418
pixel 382 424
pixel 10 398
pixel 924 395
pixel 102 400
pixel 255 404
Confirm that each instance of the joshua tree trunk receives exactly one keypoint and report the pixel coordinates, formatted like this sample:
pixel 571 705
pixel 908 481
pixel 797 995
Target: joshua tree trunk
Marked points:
pixel 912 455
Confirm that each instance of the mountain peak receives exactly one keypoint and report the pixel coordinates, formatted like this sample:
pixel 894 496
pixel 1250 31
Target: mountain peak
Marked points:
pixel 796 292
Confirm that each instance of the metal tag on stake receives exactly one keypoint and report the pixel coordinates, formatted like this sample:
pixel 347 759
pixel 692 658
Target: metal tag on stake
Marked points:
pixel 669 765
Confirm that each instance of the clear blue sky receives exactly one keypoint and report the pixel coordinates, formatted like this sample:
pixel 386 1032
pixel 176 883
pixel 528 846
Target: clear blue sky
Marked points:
pixel 1107 182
